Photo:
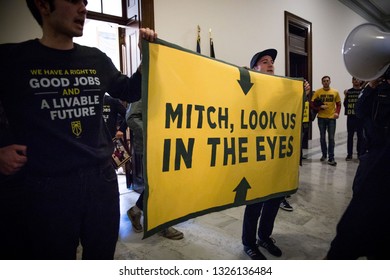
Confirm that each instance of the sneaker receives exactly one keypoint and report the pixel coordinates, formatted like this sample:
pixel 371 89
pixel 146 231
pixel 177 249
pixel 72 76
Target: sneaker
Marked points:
pixel 254 253
pixel 270 246
pixel 171 233
pixel 322 158
pixel 134 215
pixel 332 162
pixel 348 158
pixel 286 206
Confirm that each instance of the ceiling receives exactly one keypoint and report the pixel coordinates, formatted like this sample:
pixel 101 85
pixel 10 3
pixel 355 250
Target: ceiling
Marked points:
pixel 374 11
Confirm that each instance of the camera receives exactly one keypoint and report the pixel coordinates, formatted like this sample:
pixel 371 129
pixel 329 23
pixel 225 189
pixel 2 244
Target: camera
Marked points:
pixel 318 102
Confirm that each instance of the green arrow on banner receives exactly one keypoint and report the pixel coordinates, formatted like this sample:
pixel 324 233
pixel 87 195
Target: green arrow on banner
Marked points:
pixel 245 80
pixel 241 191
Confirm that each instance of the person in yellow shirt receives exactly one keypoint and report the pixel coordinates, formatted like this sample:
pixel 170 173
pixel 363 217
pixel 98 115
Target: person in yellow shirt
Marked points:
pixel 328 113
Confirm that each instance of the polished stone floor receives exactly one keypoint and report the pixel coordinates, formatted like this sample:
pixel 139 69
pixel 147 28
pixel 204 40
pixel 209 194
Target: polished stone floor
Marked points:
pixel 304 234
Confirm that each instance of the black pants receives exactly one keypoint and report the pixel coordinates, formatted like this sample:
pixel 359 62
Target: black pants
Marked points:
pixel 140 201
pixel 78 208
pixel 355 125
pixel 262 213
pixel 363 230
pixel 14 214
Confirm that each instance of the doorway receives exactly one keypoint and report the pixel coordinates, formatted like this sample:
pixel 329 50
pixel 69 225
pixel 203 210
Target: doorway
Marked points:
pixel 298 52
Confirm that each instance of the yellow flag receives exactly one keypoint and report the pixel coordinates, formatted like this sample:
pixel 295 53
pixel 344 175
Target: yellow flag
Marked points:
pixel 216 135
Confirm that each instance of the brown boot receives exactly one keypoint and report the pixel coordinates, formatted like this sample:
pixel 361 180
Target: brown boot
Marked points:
pixel 171 233
pixel 134 215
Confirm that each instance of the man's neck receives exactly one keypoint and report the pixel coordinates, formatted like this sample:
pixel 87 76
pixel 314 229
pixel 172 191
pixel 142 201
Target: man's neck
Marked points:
pixel 57 42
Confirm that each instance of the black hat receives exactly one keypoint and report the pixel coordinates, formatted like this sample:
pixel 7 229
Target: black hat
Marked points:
pixel 271 52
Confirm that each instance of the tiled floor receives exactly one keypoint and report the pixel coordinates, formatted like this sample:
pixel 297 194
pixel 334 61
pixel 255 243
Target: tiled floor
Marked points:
pixel 304 234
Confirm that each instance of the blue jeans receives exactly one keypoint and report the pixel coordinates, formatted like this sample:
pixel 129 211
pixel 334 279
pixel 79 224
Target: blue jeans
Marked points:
pixel 81 207
pixel 330 126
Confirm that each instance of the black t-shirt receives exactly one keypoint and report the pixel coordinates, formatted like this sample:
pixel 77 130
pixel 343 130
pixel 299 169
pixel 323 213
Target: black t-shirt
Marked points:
pixel 350 101
pixel 53 100
pixel 112 109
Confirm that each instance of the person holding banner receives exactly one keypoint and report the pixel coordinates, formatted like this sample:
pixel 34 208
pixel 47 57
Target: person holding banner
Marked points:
pixel 354 124
pixel 259 217
pixel 52 94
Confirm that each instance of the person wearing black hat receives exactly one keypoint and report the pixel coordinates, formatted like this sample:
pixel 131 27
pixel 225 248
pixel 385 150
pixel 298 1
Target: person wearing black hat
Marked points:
pixel 265 67
pixel 264 58
pixel 262 213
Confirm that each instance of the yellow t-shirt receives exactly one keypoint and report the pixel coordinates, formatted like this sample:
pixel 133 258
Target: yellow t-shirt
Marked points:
pixel 329 97
pixel 306 112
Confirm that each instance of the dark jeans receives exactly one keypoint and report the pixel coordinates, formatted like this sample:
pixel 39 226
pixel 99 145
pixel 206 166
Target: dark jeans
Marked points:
pixel 140 174
pixel 327 125
pixel 81 207
pixel 13 217
pixel 140 201
pixel 262 213
pixel 355 125
pixel 362 229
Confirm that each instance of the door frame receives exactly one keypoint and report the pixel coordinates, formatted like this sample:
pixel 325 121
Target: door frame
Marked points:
pixel 291 19
pixel 305 49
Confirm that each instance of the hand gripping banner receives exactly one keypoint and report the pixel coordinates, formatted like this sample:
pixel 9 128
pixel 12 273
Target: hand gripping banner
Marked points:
pixel 216 135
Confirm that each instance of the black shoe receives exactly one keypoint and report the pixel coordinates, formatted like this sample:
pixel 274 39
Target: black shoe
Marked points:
pixel 286 206
pixel 323 158
pixel 270 246
pixel 348 158
pixel 332 162
pixel 254 253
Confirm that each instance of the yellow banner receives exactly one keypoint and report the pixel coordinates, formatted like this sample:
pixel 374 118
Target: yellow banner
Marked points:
pixel 216 135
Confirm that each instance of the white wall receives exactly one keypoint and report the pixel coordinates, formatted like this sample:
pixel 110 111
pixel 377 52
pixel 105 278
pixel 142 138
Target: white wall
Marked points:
pixel 242 28
pixel 17 23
